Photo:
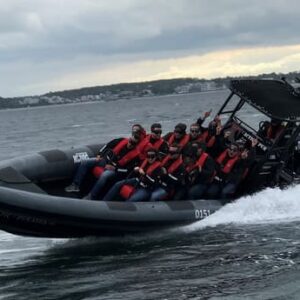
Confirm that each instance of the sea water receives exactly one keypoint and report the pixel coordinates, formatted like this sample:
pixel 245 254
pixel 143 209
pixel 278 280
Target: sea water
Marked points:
pixel 247 250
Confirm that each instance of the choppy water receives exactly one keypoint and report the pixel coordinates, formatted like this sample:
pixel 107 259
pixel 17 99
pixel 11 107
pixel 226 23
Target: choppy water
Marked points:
pixel 247 250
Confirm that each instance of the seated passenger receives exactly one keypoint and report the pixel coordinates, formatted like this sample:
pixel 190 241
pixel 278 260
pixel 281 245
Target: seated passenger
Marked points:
pixel 210 136
pixel 221 141
pixel 189 159
pixel 173 176
pixel 148 176
pixel 154 140
pixel 205 168
pixel 195 135
pixel 178 136
pixel 271 130
pixel 227 175
pixel 125 157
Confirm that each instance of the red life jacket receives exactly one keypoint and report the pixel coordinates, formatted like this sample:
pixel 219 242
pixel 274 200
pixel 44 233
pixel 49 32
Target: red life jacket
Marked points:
pixel 150 168
pixel 202 159
pixel 199 163
pixel 173 166
pixel 229 164
pixel 128 156
pixel 198 139
pixel 183 141
pixel 117 149
pixel 273 133
pixel 145 144
pixel 97 171
pixel 209 140
pixel 126 191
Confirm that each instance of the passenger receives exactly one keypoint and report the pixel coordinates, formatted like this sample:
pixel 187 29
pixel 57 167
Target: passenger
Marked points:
pixel 240 172
pixel 120 148
pixel 271 130
pixel 205 168
pixel 154 140
pixel 148 175
pixel 173 176
pixel 189 159
pixel 210 136
pixel 221 141
pixel 195 136
pixel 178 136
pixel 225 180
pixel 125 160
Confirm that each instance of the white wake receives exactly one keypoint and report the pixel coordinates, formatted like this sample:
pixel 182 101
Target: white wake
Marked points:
pixel 270 205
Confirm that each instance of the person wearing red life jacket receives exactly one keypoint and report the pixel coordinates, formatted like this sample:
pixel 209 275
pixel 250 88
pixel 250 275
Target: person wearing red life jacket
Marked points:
pixel 147 178
pixel 189 160
pixel 205 168
pixel 195 135
pixel 154 140
pixel 228 173
pixel 271 130
pixel 173 175
pixel 178 136
pixel 111 153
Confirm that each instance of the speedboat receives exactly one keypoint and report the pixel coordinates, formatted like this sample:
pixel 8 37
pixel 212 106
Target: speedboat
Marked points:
pixel 33 201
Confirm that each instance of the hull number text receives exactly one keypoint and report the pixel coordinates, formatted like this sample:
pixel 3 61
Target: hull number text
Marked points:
pixel 202 213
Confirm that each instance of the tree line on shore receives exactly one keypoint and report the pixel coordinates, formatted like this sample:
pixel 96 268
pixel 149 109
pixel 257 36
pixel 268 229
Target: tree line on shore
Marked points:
pixel 129 90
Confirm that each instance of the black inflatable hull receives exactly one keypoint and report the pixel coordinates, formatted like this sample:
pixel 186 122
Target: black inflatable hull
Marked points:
pixel 26 209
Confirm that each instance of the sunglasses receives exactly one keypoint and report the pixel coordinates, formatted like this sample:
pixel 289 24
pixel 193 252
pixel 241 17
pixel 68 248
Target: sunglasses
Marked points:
pixel 157 131
pixel 194 130
pixel 178 131
pixel 151 156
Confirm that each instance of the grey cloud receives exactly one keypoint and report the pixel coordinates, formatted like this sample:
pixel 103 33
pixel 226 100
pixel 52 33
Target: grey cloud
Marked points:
pixel 63 32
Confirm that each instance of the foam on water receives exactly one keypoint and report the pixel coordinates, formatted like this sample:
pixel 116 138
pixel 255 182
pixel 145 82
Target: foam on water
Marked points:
pixel 267 206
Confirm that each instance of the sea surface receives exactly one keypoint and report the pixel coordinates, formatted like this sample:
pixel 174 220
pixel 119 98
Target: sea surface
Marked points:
pixel 249 249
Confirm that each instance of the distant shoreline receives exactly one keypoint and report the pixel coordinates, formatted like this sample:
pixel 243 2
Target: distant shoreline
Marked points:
pixel 70 102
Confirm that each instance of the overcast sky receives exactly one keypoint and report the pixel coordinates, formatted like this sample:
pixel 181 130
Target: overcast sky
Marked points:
pixel 50 45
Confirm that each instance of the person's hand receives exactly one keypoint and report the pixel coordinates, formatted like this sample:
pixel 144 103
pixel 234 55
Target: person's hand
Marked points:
pixel 136 169
pixel 227 134
pixel 110 167
pixel 207 114
pixel 244 154
pixel 98 157
pixel 217 119
pixel 254 142
pixel 218 129
pixel 200 169
pixel 141 171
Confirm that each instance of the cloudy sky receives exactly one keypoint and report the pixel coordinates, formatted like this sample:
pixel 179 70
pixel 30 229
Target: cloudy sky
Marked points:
pixel 50 45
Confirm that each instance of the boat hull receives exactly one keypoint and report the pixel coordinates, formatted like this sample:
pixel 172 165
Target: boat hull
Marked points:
pixel 30 214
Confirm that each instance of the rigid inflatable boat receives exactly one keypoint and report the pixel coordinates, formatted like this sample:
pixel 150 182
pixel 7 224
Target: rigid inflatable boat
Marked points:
pixel 33 201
